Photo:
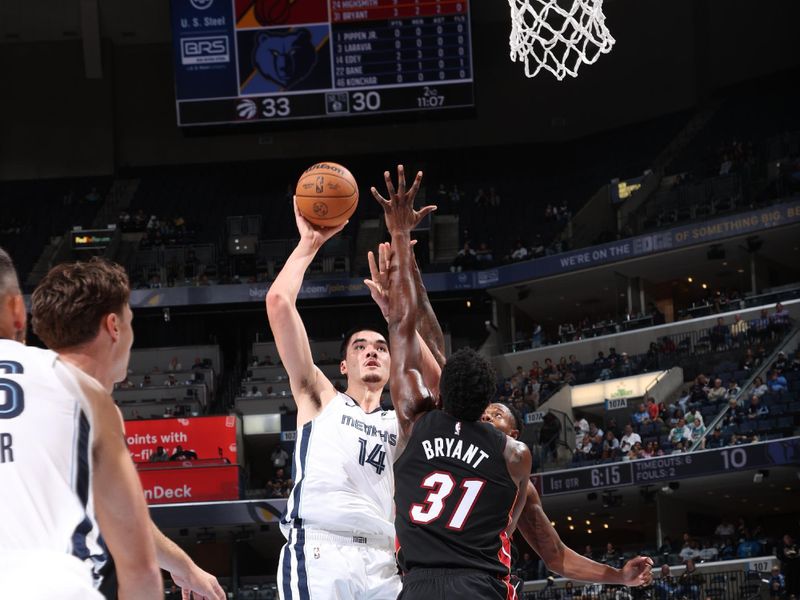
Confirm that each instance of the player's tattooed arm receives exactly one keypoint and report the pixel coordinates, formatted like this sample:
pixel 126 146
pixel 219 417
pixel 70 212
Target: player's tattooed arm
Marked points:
pixel 539 532
pixel 378 284
pixel 427 323
pixel 409 393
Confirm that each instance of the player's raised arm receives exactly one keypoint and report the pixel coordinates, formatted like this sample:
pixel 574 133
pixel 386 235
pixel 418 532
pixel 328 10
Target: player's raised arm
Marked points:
pixel 432 356
pixel 409 393
pixel 119 501
pixel 310 388
pixel 537 530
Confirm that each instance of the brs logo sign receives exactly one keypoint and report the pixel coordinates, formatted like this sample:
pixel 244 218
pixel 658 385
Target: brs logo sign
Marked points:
pixel 204 50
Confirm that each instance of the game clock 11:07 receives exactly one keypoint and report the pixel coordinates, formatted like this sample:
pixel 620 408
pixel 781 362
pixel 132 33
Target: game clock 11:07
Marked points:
pixel 239 61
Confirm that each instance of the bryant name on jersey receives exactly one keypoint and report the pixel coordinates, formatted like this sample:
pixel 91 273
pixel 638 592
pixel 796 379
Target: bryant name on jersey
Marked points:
pixel 453 448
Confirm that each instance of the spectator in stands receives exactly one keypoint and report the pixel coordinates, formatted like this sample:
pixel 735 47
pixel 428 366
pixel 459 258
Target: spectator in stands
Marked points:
pixel 794 366
pixel 465 260
pixel 483 255
pixel 174 365
pixel 739 330
pixel 519 253
pixel 777 583
pixel 748 361
pixel 628 439
pixel 727 551
pixel 760 327
pixel 160 455
pixel 777 382
pixel 592 591
pixel 665 585
pixel 679 433
pixel 527 567
pixel 640 417
pixel 733 390
pixel 611 557
pixel 725 528
pixel 789 555
pixel 715 440
pixel 279 485
pixel 587 450
pixel 653 411
pixel 781 363
pixel 636 452
pixel 698 393
pixel 759 387
pixel 146 381
pixel 610 445
pixel 756 409
pixel 690 550
pixel 625 365
pixel 549 435
pixel 720 335
pixel 709 552
pixel 569 592
pixel 198 363
pixel 698 431
pixel 279 457
pixel 181 454
pixel 254 392
pixel 690 581
pixel 717 391
pixel 748 547
pixel 596 434
pixel 666 546
pixel 780 321
pixel 170 381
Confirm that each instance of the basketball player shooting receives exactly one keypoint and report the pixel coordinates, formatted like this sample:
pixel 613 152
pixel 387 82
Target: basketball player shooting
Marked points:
pixel 458 479
pixel 81 311
pixel 62 456
pixel 339 517
pixel 537 530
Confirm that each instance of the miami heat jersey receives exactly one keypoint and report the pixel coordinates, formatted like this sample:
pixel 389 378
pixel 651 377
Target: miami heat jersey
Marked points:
pixel 45 456
pixel 454 497
pixel 342 471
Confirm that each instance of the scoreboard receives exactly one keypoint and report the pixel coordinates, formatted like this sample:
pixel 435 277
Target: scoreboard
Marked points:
pixel 239 61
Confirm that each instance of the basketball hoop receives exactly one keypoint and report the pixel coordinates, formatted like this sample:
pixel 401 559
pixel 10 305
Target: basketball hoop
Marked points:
pixel 545 35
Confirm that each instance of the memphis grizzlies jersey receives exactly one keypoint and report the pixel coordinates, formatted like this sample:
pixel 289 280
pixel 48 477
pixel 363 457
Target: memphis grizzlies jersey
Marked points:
pixel 45 456
pixel 342 471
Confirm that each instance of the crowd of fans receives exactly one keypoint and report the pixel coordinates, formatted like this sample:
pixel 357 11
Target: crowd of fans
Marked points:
pixel 662 428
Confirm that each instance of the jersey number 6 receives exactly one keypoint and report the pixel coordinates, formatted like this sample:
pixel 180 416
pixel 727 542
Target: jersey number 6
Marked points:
pixel 13 402
pixel 441 485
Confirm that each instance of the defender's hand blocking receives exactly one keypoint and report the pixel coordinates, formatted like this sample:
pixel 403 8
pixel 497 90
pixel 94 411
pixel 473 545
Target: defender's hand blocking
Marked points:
pixel 399 208
pixel 311 234
pixel 637 571
pixel 378 283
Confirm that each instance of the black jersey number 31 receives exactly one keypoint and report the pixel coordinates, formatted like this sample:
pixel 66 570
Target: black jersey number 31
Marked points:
pixel 12 399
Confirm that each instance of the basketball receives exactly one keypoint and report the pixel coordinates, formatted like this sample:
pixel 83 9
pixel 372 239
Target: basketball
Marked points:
pixel 327 194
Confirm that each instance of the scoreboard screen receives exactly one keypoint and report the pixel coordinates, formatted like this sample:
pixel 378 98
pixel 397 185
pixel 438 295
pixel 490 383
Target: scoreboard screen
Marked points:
pixel 239 61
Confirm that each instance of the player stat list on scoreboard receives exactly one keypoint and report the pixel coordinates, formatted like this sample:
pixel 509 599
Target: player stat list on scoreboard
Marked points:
pixel 271 60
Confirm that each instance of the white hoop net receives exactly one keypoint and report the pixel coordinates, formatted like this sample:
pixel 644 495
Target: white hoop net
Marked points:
pixel 546 36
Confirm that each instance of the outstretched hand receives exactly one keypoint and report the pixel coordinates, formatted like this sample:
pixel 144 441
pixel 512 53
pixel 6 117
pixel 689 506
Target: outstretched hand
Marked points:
pixel 199 585
pixel 312 234
pixel 378 283
pixel 637 571
pixel 399 208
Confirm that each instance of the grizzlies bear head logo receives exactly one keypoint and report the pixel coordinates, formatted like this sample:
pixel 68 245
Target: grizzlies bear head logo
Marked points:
pixel 285 58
